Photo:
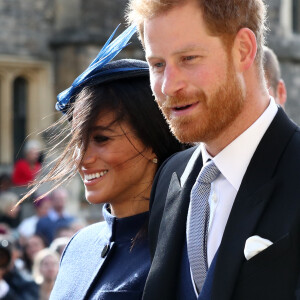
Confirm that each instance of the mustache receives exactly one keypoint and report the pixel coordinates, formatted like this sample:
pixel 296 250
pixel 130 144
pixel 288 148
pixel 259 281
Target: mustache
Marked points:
pixel 181 99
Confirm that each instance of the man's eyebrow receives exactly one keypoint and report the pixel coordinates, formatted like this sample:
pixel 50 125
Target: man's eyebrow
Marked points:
pixel 192 47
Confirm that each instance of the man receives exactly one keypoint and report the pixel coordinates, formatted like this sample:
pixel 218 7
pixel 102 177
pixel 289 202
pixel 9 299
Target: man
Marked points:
pixel 56 218
pixel 28 226
pixel 206 73
pixel 275 83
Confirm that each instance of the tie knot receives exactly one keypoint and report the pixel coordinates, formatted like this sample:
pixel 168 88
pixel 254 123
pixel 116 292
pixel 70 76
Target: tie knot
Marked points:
pixel 208 173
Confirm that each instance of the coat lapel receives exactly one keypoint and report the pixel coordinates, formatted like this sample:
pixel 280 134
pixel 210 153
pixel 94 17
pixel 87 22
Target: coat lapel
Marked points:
pixel 253 196
pixel 173 225
pixel 167 256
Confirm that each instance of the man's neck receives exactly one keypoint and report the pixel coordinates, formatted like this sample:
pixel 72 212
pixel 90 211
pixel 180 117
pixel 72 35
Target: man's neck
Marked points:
pixel 250 113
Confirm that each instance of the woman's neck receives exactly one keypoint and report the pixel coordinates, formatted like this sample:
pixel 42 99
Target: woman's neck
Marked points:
pixel 137 206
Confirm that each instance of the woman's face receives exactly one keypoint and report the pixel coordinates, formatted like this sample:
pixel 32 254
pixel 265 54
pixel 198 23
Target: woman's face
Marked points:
pixel 33 245
pixel 117 168
pixel 49 267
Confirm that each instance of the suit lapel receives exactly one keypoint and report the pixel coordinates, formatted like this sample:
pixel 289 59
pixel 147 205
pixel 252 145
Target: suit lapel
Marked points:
pixel 167 257
pixel 253 196
pixel 176 207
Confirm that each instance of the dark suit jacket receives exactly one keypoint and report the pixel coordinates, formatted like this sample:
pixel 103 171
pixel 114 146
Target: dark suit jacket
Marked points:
pixel 267 204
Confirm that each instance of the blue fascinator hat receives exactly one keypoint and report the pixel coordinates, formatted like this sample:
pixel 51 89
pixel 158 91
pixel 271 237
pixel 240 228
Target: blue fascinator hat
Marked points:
pixel 101 70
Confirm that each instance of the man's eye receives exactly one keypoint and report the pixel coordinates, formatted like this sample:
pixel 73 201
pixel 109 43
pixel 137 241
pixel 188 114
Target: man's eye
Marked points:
pixel 157 66
pixel 190 57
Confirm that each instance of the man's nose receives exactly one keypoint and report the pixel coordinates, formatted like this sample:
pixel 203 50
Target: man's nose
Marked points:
pixel 173 81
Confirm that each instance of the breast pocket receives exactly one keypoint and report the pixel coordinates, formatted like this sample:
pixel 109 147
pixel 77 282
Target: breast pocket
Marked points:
pixel 267 257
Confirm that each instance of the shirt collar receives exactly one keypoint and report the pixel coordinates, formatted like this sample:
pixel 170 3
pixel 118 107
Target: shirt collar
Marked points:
pixel 243 148
pixel 234 159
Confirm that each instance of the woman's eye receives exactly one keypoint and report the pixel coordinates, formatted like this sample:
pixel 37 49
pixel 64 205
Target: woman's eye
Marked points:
pixel 100 139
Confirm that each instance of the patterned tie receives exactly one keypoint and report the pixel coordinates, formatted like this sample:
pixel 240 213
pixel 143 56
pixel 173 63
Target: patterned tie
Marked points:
pixel 197 223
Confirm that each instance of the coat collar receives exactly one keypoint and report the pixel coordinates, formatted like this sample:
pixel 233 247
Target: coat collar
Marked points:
pixel 123 229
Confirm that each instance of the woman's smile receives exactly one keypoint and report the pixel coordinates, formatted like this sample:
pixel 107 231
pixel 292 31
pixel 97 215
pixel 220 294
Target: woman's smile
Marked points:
pixel 93 178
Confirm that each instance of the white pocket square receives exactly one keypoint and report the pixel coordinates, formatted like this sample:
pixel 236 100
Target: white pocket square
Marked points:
pixel 254 245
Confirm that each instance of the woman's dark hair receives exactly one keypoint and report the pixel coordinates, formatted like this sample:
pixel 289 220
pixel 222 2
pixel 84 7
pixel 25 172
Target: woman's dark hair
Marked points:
pixel 132 101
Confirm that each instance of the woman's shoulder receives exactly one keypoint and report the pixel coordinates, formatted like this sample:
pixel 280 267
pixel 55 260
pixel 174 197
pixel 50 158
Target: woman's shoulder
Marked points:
pixel 81 261
pixel 91 231
pixel 97 233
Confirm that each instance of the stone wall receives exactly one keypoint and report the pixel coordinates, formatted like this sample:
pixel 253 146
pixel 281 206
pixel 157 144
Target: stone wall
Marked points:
pixel 286 44
pixel 26 27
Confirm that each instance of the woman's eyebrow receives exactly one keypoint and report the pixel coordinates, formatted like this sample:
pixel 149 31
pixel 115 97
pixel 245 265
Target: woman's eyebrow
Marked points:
pixel 102 128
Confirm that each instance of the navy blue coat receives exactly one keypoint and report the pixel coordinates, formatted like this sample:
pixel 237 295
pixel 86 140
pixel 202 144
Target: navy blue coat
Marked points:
pixel 99 262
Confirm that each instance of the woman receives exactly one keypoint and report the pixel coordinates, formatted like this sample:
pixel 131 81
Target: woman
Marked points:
pixel 26 169
pixel 119 139
pixel 45 269
pixel 32 245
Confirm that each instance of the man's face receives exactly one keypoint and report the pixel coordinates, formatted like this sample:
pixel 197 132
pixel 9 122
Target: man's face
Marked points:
pixel 59 199
pixel 192 75
pixel 279 93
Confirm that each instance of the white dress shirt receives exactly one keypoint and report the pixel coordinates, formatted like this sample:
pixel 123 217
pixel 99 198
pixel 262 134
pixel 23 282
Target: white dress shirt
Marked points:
pixel 232 162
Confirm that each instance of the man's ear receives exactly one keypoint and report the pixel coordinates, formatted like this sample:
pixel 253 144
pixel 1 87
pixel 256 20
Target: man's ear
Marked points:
pixel 281 92
pixel 244 49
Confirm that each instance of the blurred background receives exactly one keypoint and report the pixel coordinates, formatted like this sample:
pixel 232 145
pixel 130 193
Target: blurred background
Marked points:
pixel 45 44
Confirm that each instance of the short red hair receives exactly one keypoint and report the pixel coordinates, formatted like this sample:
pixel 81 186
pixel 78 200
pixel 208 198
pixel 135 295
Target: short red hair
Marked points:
pixel 224 18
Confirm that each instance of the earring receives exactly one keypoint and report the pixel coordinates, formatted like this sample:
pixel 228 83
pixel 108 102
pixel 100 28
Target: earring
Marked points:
pixel 154 160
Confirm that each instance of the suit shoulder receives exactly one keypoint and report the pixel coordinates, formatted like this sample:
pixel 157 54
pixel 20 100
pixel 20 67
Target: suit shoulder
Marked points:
pixel 177 162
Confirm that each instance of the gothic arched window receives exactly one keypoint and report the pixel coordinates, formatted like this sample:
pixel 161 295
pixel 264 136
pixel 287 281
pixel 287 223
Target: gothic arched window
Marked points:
pixel 20 95
pixel 296 16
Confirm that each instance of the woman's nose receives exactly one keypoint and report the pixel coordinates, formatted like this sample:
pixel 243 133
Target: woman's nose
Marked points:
pixel 89 156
